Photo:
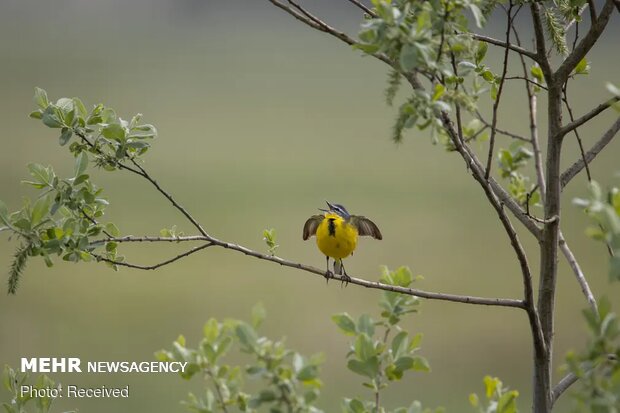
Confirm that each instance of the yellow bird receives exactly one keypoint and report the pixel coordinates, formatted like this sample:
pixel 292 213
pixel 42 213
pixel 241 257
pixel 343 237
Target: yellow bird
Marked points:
pixel 336 235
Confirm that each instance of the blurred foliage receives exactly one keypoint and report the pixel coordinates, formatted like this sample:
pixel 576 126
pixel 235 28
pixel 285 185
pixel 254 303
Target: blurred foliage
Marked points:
pixel 604 211
pixel 498 399
pixel 269 236
pixel 597 368
pixel 289 381
pixel 21 403
pixel 510 162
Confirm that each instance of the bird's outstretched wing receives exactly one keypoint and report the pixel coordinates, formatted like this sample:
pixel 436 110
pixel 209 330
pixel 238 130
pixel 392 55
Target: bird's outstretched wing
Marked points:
pixel 365 227
pixel 311 225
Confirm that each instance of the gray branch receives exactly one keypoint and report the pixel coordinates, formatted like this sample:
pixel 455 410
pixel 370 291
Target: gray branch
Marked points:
pixel 576 167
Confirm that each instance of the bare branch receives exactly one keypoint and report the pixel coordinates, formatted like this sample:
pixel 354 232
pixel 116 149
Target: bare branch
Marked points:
pixel 581 279
pixel 528 80
pixel 155 266
pixel 503 44
pixel 478 174
pixel 575 168
pixel 584 46
pixel 563 385
pixel 501 131
pixel 532 112
pixel 364 7
pixel 501 302
pixel 572 119
pixel 588 116
pixel 301 14
pixel 592 8
pixel 541 47
pixel 500 88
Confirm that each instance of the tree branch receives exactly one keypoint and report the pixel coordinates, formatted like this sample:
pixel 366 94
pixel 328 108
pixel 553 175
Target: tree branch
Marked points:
pixel 584 46
pixel 588 116
pixel 532 112
pixel 501 131
pixel 500 88
pixel 541 48
pixel 576 167
pixel 581 278
pixel 155 266
pixel 364 7
pixel 500 43
pixel 501 302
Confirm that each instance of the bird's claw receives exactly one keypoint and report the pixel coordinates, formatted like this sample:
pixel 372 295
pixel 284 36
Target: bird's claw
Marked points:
pixel 344 280
pixel 328 275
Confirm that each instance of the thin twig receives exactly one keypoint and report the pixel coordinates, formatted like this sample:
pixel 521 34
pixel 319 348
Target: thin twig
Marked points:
pixel 503 44
pixel 576 131
pixel 501 131
pixel 576 167
pixel 362 6
pixel 588 116
pixel 527 79
pixel 487 171
pixel 155 266
pixel 532 113
pixel 581 278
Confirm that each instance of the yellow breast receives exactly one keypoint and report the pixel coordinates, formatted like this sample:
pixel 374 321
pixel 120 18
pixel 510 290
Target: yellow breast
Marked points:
pixel 335 237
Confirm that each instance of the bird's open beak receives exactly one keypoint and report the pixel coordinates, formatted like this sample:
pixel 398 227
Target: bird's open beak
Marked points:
pixel 331 208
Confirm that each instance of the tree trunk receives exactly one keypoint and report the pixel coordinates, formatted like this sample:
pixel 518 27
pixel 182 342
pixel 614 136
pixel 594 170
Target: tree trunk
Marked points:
pixel 542 400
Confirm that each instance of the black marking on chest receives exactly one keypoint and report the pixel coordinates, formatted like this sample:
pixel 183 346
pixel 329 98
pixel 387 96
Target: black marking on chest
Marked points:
pixel 331 227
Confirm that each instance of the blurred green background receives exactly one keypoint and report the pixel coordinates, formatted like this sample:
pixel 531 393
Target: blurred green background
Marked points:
pixel 260 121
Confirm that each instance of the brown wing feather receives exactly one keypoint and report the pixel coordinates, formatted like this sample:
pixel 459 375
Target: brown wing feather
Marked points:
pixel 311 225
pixel 366 227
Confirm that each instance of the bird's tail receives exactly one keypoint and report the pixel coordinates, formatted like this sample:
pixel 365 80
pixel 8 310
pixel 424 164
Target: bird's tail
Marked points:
pixel 338 266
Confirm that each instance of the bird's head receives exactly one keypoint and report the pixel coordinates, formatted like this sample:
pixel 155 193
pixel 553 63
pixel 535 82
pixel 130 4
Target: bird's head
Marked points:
pixel 337 209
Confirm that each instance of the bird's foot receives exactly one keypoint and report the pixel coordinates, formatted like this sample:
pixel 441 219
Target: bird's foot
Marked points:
pixel 344 280
pixel 328 275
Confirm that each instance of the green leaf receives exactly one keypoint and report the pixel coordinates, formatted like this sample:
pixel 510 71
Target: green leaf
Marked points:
pixel 246 335
pixel 481 52
pixel 345 323
pixel 364 347
pixel 80 108
pixel 421 364
pixel 399 344
pixel 366 325
pixel 50 118
pixel 37 114
pixel 211 330
pixel 114 131
pixel 40 209
pixel 507 403
pixel 112 229
pixel 582 68
pixel 41 174
pixel 537 72
pixel 81 163
pixel 408 57
pixel 368 368
pixel 404 363
pixel 40 98
pixel 65 136
pixel 258 315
